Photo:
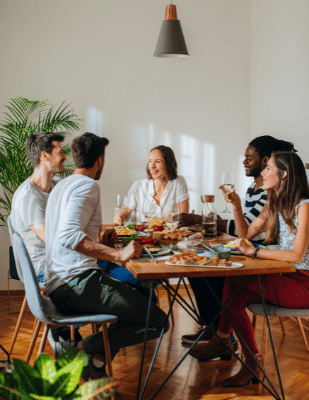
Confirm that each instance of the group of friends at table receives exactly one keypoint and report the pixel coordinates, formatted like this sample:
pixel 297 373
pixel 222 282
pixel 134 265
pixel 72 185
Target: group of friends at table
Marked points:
pixel 59 222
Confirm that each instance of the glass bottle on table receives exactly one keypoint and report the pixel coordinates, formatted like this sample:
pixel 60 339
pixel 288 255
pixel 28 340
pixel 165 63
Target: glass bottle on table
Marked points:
pixel 209 218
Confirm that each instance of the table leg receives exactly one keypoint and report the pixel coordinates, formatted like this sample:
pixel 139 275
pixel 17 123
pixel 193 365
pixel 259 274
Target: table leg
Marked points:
pixel 145 341
pixel 191 310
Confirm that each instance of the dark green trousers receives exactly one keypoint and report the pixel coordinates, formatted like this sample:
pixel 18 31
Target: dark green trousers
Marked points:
pixel 95 292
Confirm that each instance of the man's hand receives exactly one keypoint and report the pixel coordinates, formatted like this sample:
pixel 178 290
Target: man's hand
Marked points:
pixel 232 198
pixel 132 250
pixel 189 219
pixel 109 237
pixel 242 245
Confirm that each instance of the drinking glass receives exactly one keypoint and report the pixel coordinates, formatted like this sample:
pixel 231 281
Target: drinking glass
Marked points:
pixel 120 206
pixel 148 212
pixel 227 185
pixel 120 200
pixel 172 219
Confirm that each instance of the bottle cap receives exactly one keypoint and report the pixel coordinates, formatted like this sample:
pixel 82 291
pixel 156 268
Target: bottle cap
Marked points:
pixel 209 198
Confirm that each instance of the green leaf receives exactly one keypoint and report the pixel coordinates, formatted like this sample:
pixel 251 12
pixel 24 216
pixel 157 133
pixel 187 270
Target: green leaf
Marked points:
pixel 9 390
pixel 70 356
pixel 40 397
pixel 67 379
pixel 28 378
pixel 101 387
pixel 46 367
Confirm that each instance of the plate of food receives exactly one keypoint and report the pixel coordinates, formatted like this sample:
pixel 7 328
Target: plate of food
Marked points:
pixel 123 231
pixel 230 245
pixel 192 259
pixel 156 251
pixel 195 228
pixel 175 235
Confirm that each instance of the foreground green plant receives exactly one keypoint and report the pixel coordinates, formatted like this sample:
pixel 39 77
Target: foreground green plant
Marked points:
pixel 24 117
pixel 49 380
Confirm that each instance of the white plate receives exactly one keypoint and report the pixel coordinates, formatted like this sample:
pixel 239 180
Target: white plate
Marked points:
pixel 234 265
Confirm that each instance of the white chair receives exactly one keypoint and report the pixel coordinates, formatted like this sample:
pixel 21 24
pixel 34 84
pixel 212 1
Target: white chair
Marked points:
pixel 276 311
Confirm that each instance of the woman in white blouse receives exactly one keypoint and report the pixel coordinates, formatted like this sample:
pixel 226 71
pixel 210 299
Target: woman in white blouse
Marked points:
pixel 160 191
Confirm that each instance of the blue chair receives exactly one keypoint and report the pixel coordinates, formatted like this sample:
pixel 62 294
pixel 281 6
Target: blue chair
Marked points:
pixel 15 272
pixel 46 312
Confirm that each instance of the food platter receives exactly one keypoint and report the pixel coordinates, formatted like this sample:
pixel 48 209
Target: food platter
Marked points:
pixel 233 266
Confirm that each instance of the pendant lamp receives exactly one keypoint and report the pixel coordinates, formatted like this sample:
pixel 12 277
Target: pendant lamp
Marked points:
pixel 171 42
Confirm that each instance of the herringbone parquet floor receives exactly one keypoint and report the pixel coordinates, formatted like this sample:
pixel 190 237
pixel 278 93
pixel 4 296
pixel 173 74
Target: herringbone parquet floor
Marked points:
pixel 194 380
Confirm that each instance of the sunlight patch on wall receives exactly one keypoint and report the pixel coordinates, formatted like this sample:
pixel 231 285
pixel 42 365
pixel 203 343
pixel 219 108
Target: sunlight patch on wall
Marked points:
pixel 209 178
pixel 96 122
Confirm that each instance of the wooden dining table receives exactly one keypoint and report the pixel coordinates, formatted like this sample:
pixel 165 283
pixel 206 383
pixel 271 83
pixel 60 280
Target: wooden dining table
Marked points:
pixel 160 271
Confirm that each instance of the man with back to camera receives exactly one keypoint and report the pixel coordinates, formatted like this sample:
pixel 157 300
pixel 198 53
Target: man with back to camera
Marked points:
pixel 256 156
pixel 45 152
pixel 74 282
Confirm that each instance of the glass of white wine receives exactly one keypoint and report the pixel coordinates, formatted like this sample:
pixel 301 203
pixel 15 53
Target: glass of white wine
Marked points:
pixel 227 185
pixel 148 212
pixel 172 219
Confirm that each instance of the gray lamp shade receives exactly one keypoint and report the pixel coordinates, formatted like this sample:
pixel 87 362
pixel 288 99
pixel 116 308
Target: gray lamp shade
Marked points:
pixel 171 42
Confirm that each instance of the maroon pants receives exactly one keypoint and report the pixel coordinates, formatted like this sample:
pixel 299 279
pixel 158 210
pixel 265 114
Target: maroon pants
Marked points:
pixel 286 290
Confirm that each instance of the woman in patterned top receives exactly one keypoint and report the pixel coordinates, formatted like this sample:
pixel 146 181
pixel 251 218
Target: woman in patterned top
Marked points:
pixel 285 218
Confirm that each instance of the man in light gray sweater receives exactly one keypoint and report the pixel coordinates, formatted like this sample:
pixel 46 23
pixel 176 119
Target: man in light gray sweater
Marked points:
pixel 74 281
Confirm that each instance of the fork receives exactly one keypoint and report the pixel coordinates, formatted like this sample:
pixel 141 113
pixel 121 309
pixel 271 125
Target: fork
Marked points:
pixel 149 253
pixel 208 247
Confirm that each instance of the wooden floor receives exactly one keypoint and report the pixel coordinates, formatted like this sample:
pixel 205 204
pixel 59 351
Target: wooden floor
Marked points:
pixel 194 380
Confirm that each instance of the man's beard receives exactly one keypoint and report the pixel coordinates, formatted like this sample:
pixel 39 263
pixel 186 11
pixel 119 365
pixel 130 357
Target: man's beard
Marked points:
pixel 98 174
pixel 254 171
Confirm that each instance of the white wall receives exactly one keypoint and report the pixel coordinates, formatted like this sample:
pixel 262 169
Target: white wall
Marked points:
pixel 280 71
pixel 98 55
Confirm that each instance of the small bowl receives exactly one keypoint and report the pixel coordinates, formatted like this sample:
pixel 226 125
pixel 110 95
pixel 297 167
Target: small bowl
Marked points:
pixel 224 254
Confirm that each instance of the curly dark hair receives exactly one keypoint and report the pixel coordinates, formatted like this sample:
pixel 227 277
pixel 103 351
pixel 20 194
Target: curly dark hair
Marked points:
pixel 170 162
pixel 266 144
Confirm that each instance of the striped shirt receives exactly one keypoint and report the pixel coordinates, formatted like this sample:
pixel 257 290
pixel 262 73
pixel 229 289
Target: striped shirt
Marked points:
pixel 255 201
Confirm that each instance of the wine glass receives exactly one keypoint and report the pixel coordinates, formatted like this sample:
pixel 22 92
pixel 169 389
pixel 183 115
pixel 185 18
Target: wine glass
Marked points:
pixel 227 185
pixel 172 219
pixel 120 206
pixel 148 212
pixel 120 200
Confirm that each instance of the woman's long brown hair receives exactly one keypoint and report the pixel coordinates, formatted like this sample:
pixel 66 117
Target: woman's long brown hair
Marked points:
pixel 290 191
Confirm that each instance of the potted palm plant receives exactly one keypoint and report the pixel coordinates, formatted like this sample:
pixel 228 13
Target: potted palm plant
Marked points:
pixel 22 118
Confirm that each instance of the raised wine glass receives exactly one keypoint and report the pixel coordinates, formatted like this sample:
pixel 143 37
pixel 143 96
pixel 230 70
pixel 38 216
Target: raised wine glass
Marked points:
pixel 227 185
